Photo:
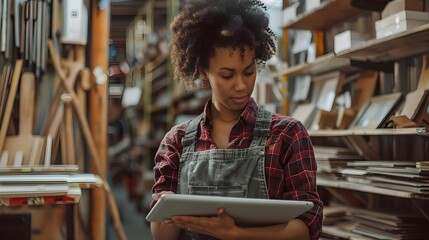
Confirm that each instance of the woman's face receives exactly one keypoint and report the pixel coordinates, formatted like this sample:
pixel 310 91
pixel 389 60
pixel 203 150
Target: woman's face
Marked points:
pixel 231 77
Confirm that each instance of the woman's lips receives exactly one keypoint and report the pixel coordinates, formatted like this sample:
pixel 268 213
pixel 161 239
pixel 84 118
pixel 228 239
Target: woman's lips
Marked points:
pixel 240 99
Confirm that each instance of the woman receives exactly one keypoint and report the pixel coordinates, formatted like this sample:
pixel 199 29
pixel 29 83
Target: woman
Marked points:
pixel 234 148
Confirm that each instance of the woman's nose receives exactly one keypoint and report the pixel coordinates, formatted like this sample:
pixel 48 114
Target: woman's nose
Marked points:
pixel 240 83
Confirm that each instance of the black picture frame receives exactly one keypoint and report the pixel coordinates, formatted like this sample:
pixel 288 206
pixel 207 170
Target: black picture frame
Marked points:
pixel 376 111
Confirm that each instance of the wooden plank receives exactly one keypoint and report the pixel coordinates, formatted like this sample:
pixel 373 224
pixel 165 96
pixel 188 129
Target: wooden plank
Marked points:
pixel 363 188
pixel 323 64
pixel 394 47
pixel 330 133
pixel 10 101
pixel 98 113
pixel 327 14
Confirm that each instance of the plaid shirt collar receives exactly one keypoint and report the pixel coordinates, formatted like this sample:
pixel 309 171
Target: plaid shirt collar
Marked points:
pixel 247 117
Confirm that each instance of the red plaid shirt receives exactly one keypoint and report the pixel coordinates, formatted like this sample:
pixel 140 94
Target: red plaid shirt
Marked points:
pixel 290 166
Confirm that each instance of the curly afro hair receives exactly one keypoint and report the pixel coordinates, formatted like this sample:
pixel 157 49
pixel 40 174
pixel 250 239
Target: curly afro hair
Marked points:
pixel 203 25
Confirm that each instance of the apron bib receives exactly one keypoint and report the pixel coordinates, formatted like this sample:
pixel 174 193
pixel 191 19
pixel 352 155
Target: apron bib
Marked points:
pixel 224 172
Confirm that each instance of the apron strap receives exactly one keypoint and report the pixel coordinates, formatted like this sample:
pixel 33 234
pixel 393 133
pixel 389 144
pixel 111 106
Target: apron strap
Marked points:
pixel 261 130
pixel 191 134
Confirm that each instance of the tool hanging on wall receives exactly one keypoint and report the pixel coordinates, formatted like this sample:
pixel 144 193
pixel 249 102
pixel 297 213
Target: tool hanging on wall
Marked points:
pixel 26 28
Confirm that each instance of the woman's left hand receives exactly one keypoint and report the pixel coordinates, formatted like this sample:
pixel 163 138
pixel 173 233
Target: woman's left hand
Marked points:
pixel 220 226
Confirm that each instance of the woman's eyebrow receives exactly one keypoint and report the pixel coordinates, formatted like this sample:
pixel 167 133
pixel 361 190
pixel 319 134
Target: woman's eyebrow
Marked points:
pixel 232 70
pixel 251 65
pixel 226 68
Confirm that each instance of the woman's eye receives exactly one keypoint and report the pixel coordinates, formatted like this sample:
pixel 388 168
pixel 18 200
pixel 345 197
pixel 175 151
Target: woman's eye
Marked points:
pixel 227 77
pixel 249 73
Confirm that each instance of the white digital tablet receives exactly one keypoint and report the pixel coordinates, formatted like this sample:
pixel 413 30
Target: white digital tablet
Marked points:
pixel 245 211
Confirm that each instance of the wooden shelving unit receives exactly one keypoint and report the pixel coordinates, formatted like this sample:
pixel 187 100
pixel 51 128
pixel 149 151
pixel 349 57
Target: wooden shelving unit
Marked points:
pixel 366 188
pixel 323 64
pixel 394 47
pixel 388 144
pixel 327 14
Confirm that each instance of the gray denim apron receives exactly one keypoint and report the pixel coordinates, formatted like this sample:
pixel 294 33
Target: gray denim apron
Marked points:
pixel 224 172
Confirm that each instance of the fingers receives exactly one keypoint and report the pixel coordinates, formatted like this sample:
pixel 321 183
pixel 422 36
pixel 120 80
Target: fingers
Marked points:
pixel 157 196
pixel 220 211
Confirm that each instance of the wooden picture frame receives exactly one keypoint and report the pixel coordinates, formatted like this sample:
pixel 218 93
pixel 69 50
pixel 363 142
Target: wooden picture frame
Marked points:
pixel 376 111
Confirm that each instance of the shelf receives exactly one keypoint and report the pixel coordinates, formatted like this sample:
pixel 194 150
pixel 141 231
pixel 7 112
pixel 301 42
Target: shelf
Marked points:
pixel 159 73
pixel 394 47
pixel 157 108
pixel 327 14
pixel 326 63
pixel 193 107
pixel 183 96
pixel 369 132
pixel 330 133
pixel 161 84
pixel 152 65
pixel 364 188
pixel 39 169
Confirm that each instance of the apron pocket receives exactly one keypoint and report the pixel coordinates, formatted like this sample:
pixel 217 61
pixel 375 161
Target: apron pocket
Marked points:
pixel 227 191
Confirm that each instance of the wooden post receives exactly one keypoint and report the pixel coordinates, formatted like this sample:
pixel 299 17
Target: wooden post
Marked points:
pixel 284 56
pixel 98 100
pixel 285 79
pixel 320 43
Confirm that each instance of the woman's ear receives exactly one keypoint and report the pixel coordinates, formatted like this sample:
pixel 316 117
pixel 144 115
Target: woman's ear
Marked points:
pixel 203 74
pixel 205 83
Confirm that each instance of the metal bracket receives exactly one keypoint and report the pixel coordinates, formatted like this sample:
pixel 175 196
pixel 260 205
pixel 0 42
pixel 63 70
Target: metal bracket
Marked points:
pixel 424 132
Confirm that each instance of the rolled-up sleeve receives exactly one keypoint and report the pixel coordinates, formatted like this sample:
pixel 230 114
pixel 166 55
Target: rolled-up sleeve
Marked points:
pixel 167 159
pixel 290 144
pixel 299 166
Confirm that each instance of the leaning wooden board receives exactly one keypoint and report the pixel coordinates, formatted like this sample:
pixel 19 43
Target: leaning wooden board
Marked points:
pixel 25 142
pixel 10 100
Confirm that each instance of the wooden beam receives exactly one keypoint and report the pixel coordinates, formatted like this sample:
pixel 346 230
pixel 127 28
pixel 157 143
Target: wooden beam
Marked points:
pixel 98 113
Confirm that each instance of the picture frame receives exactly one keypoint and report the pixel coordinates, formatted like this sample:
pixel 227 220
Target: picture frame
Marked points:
pixel 325 89
pixel 304 113
pixel 376 111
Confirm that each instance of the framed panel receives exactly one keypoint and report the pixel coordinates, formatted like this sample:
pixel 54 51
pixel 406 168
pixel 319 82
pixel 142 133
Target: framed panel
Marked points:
pixel 376 111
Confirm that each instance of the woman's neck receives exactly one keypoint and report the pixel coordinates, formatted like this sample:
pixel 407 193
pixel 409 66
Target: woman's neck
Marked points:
pixel 225 115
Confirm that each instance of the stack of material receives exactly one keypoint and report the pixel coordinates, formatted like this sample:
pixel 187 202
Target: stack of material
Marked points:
pixel 40 189
pixel 375 224
pixel 331 159
pixel 388 225
pixel 410 177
